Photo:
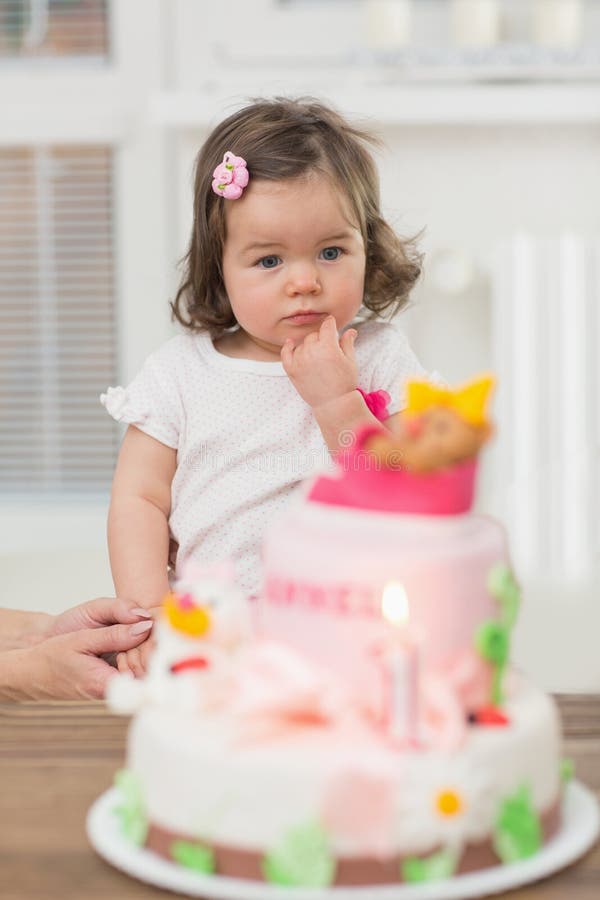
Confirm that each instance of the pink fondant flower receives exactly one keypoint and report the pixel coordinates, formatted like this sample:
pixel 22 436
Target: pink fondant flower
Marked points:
pixel 358 809
pixel 377 402
pixel 230 177
pixel 278 691
pixel 278 682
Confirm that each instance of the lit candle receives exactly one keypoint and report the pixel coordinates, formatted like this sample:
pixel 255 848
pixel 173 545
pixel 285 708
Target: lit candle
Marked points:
pixel 400 662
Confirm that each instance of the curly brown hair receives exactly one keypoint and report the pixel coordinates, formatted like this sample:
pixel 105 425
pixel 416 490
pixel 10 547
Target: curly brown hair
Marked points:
pixel 280 139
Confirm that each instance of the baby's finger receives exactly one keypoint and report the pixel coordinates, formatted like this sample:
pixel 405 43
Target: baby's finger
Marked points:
pixel 328 329
pixel 287 354
pixel 347 342
pixel 146 650
pixel 312 338
pixel 136 665
pixel 122 664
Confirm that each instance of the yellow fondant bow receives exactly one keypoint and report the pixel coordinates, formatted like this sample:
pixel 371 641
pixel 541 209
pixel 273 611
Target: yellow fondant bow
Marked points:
pixel 468 400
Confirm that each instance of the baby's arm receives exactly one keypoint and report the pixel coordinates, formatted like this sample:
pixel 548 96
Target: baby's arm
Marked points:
pixel 323 371
pixel 138 529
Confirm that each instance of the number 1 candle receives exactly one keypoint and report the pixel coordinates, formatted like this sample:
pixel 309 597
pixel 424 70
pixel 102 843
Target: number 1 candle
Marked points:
pixel 399 657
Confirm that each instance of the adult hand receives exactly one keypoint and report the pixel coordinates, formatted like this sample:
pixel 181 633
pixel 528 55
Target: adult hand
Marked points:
pixel 95 614
pixel 68 666
pixel 322 367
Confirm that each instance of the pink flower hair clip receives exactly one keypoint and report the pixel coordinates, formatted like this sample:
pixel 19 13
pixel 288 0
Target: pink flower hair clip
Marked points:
pixel 230 177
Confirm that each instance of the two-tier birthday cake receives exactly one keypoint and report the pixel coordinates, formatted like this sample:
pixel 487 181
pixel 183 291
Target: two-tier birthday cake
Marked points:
pixel 360 724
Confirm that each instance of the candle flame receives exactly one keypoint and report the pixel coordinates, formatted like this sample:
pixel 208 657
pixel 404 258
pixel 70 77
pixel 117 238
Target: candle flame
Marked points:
pixel 394 603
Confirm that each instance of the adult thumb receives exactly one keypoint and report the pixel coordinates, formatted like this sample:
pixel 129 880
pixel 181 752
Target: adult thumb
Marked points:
pixel 113 638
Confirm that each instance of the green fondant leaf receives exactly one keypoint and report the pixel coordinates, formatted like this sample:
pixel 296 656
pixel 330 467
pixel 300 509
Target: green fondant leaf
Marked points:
pixel 518 833
pixel 303 859
pixel 502 586
pixel 493 643
pixel 134 826
pixel 567 770
pixel 193 856
pixel 436 867
pixel 130 811
pixel 276 871
pixel 129 787
pixel 497 697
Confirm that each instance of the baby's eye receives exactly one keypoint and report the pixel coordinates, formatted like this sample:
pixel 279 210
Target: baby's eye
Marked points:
pixel 269 262
pixel 331 253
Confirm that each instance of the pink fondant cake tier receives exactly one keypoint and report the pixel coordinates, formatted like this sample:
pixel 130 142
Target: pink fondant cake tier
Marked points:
pixel 325 570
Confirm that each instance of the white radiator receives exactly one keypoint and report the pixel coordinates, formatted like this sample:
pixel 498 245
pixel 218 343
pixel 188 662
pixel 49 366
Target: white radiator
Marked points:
pixel 546 335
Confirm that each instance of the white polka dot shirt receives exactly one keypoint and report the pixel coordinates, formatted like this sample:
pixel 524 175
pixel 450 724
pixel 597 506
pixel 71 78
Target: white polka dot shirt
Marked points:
pixel 244 437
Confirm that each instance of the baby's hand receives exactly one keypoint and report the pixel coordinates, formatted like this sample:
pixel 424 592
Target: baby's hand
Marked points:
pixel 322 367
pixel 136 660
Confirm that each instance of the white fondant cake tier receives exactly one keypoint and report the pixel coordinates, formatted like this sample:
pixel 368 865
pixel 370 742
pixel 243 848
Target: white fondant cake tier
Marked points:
pixel 325 570
pixel 207 778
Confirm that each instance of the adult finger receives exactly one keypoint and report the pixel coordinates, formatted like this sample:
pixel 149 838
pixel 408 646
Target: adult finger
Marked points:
pixel 96 614
pixel 96 677
pixel 113 638
pixel 112 611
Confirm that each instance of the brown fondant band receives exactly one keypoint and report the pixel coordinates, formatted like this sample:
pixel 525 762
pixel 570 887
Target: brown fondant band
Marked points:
pixel 234 862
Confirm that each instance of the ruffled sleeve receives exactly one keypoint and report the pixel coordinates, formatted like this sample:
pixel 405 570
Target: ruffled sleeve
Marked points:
pixel 152 401
pixel 119 405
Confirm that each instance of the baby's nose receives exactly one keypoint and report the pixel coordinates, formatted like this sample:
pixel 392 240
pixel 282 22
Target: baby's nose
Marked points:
pixel 303 280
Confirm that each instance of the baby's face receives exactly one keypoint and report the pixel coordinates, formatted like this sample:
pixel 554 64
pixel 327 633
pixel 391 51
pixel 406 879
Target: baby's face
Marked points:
pixel 291 248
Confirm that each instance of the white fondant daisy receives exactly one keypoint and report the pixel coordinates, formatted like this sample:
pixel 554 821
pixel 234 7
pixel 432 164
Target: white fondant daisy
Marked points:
pixel 444 801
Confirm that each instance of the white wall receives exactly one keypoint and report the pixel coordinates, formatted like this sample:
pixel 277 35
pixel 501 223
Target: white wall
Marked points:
pixel 470 187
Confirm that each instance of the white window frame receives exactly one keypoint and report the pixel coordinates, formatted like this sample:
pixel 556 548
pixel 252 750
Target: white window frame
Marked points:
pixel 70 102
pixel 217 67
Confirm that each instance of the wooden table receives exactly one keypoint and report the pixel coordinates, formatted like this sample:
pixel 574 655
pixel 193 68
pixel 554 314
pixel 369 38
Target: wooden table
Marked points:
pixel 56 758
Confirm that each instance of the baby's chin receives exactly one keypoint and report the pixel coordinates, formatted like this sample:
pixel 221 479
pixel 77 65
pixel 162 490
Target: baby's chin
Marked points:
pixel 299 337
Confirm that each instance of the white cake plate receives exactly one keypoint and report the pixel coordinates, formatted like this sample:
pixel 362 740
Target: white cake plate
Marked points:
pixel 579 831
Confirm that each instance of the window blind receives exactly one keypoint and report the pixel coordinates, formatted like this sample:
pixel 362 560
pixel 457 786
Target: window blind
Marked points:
pixel 57 320
pixel 49 28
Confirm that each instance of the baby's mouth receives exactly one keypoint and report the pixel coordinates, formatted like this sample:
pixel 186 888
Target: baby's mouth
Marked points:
pixel 305 317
